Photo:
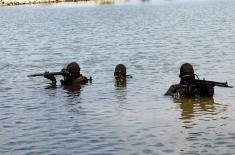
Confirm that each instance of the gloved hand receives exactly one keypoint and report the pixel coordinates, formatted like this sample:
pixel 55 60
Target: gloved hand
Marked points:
pixel 67 75
pixel 50 77
pixel 64 71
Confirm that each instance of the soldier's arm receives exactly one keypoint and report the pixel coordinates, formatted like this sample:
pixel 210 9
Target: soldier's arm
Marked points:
pixel 172 90
pixel 50 77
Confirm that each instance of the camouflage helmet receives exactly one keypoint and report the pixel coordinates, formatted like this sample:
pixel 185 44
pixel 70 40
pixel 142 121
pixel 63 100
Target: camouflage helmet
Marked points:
pixel 74 69
pixel 186 69
pixel 120 69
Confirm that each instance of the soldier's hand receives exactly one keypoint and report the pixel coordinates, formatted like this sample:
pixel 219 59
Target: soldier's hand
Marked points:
pixel 66 73
pixel 50 77
pixel 64 70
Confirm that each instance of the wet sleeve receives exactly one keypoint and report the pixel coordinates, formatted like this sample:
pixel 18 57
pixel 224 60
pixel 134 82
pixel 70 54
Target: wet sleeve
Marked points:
pixel 171 90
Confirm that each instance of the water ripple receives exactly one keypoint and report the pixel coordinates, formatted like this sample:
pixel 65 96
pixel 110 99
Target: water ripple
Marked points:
pixel 152 40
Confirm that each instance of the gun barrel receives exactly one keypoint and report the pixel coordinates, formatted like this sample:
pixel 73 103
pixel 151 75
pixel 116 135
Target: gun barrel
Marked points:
pixel 220 84
pixel 47 73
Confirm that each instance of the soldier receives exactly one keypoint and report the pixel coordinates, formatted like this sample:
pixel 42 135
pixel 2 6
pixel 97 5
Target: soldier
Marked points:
pixel 120 72
pixel 189 86
pixel 71 75
pixel 120 75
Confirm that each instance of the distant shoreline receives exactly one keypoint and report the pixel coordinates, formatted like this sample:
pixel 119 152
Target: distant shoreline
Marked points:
pixel 29 2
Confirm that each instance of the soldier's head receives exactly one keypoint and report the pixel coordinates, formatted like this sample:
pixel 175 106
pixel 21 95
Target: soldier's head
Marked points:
pixel 187 73
pixel 120 72
pixel 74 70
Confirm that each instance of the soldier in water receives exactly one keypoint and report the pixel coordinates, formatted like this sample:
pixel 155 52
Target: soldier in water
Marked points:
pixel 120 75
pixel 71 75
pixel 189 86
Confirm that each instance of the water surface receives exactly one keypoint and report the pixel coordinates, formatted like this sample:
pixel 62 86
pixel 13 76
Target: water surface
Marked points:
pixel 152 39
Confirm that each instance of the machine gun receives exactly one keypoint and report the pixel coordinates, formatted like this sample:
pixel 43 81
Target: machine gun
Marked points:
pixel 212 83
pixel 189 79
pixel 197 87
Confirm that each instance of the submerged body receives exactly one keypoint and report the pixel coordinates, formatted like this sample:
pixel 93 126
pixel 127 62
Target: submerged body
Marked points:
pixel 189 86
pixel 190 90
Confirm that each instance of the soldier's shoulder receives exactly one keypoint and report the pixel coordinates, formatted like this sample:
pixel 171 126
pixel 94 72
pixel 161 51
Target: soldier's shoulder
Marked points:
pixel 172 89
pixel 81 79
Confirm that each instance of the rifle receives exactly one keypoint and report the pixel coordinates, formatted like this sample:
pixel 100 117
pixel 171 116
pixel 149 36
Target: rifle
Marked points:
pixel 54 74
pixel 48 74
pixel 197 81
pixel 213 83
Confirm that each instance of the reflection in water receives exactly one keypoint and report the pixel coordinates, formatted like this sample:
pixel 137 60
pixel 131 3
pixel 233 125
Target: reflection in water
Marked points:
pixel 106 119
pixel 120 83
pixel 201 118
pixel 198 109
pixel 51 86
pixel 74 99
pixel 120 86
pixel 73 89
pixel 193 106
pixel 120 92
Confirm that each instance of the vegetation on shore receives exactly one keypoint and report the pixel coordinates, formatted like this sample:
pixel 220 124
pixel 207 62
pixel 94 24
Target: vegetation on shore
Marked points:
pixel 24 2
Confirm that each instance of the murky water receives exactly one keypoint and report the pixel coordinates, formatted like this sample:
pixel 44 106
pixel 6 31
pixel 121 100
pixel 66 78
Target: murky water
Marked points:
pixel 152 40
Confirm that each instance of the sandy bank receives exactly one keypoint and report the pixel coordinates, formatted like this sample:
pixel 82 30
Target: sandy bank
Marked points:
pixel 24 2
